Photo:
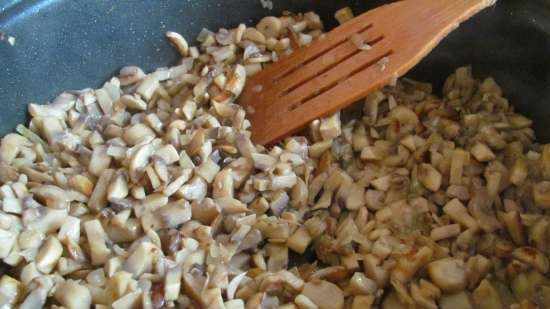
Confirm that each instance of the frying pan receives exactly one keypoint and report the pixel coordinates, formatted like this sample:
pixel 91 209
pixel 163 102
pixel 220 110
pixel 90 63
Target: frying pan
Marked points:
pixel 73 44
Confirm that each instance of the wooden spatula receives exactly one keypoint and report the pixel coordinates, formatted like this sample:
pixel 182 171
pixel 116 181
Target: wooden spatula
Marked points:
pixel 335 71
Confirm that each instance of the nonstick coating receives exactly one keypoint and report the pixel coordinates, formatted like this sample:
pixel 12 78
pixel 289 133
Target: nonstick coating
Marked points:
pixel 72 44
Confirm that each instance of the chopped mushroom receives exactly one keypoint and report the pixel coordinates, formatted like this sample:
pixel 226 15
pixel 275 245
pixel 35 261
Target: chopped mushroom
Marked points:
pixel 150 193
pixel 324 294
pixel 448 274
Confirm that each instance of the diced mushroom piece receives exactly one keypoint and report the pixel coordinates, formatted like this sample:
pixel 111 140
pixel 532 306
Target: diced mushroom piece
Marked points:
pixel 48 255
pixel 81 184
pixel 458 213
pixel 168 154
pixel 449 274
pixel 139 160
pixel 97 238
pixel 324 294
pixel 355 198
pixel 532 257
pixel 444 232
pixel 359 284
pixel 148 86
pixel 207 170
pixel 486 296
pixel 330 127
pixel 51 127
pixel 299 241
pixel 425 294
pixel 195 189
pixel 44 219
pixel 270 26
pixel 303 302
pixel 52 196
pixel 172 215
pixel 362 302
pixel 408 264
pixel 429 177
pixel 137 134
pixel 132 102
pixel 252 34
pixel 98 199
pixel 131 300
pixel 118 187
pixel 404 116
pixel 344 14
pixel 519 171
pixel 73 295
pixel 179 42
pixel 234 304
pixel 11 146
pixel 70 230
pixel 141 259
pixel 482 152
pixel 512 221
pixel 130 74
pixel 459 159
pixel 8 240
pixel 236 81
pixel 477 267
pixel 39 289
pixel 11 291
pixel 541 194
pixel 453 301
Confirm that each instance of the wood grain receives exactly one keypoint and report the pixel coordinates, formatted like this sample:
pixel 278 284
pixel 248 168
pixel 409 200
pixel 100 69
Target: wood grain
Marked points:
pixel 332 72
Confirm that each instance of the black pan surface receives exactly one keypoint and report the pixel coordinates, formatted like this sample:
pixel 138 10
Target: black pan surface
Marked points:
pixel 72 44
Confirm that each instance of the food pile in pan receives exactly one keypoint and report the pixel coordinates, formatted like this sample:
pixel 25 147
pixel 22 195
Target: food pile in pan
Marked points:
pixel 148 193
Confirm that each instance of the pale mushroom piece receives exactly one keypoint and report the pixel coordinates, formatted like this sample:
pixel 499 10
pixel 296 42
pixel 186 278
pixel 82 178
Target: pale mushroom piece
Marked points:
pixel 81 184
pixel 234 304
pixel 299 241
pixel 303 302
pixel 129 301
pixel 360 284
pixel 541 194
pixel 97 239
pixel 448 274
pixel 486 296
pixel 207 170
pixel 98 198
pixel 39 290
pixel 444 232
pixel 130 74
pixel 176 184
pixel 137 134
pixel 8 240
pixel 344 14
pixel 457 300
pixel 148 86
pixel 172 215
pixel 324 294
pixel 70 229
pixel 73 295
pixel 11 291
pixel 482 152
pixel 48 255
pixel 362 302
pixel 168 154
pixel 429 177
pixel 179 42
pixel 459 213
